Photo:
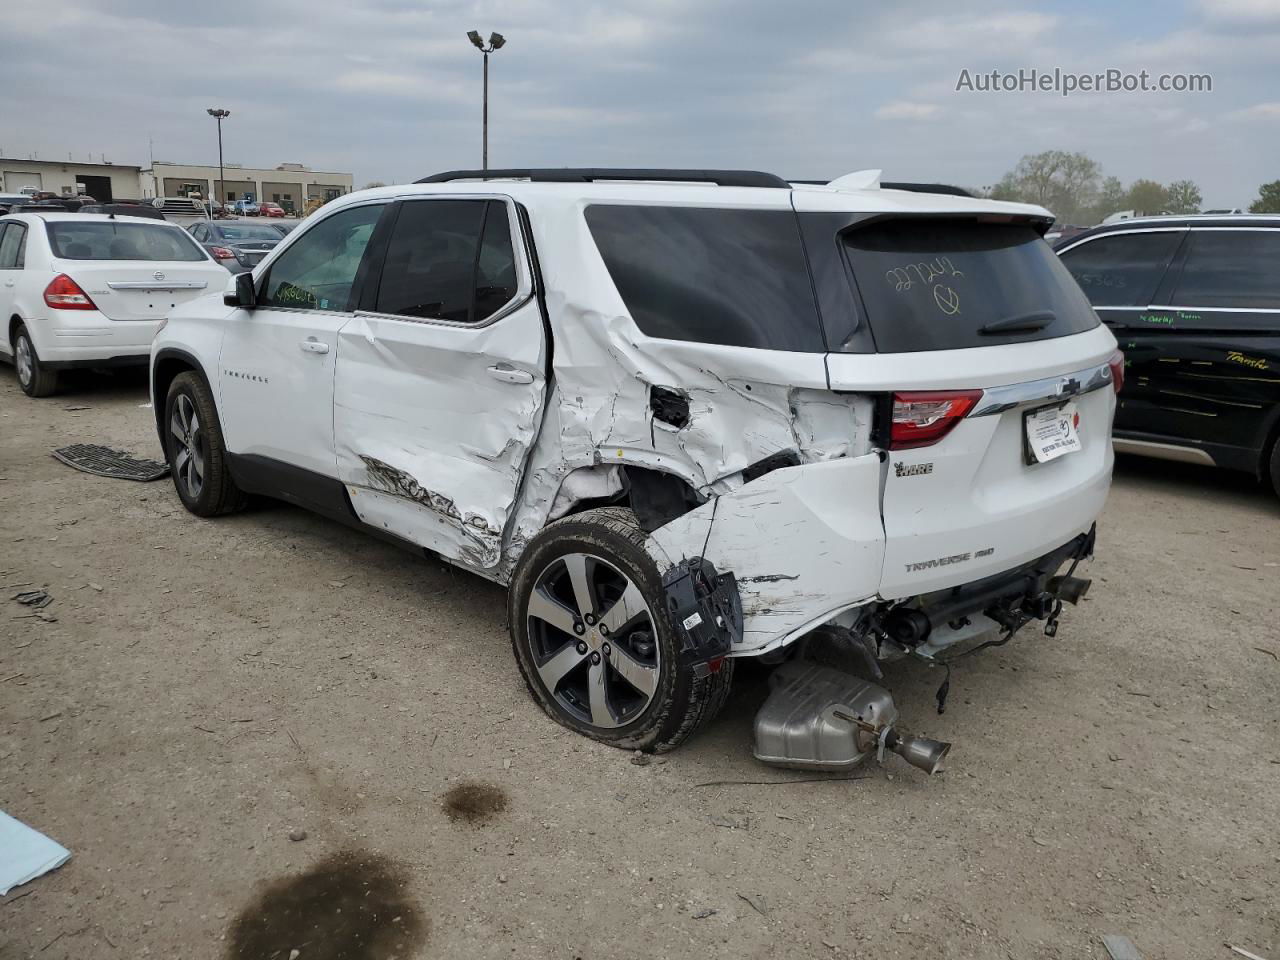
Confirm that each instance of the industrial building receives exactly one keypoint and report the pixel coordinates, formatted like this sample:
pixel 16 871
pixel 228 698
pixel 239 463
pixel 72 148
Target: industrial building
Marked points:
pixel 102 181
pixel 291 185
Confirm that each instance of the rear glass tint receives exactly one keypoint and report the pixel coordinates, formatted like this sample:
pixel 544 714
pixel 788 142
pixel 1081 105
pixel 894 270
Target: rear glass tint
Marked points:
pixel 112 240
pixel 711 275
pixel 936 284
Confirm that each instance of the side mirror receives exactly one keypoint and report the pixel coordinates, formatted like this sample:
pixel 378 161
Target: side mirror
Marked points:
pixel 240 292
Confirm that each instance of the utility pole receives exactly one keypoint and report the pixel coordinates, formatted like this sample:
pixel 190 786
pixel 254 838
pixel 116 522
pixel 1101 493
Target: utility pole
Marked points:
pixel 218 114
pixel 496 42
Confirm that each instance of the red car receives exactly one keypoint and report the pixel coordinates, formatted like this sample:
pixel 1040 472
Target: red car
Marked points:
pixel 268 209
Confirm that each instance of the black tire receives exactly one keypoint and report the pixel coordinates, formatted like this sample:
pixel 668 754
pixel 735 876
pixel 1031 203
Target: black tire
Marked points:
pixel 681 701
pixel 215 493
pixel 1275 466
pixel 34 377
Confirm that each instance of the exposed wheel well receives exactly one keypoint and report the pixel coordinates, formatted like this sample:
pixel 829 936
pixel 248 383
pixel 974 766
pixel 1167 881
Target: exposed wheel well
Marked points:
pixel 14 322
pixel 656 497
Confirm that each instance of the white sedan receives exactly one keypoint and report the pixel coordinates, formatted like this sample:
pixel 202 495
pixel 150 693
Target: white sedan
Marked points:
pixel 91 290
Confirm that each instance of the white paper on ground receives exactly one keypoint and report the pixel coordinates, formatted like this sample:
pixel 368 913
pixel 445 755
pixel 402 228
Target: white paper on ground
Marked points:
pixel 25 854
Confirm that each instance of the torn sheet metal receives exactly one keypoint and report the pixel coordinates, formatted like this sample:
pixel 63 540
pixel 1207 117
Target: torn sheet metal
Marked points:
pixel 828 558
pixel 701 412
pixel 26 854
pixel 432 443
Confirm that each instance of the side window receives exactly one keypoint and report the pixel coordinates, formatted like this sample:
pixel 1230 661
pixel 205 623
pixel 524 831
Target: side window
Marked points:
pixel 710 275
pixel 199 232
pixel 1231 268
pixel 318 271
pixel 449 260
pixel 496 280
pixel 1122 270
pixel 13 244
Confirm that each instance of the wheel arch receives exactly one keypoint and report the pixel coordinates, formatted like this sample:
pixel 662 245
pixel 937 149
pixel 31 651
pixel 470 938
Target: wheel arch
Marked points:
pixel 654 495
pixel 167 364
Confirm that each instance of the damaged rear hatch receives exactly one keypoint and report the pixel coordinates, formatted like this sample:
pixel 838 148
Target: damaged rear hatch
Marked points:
pixel 996 385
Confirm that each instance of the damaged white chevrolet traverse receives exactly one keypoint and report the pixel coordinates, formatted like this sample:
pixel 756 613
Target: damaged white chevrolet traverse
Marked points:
pixel 685 417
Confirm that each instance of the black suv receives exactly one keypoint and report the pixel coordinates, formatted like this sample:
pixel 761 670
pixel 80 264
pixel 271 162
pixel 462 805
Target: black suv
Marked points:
pixel 1195 304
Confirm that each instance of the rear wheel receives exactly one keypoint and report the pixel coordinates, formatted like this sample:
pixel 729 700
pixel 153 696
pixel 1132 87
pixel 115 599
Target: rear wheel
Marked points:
pixel 1275 466
pixel 590 631
pixel 195 451
pixel 34 377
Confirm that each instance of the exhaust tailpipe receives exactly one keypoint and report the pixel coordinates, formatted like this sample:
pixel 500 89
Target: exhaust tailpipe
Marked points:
pixel 1069 589
pixel 919 751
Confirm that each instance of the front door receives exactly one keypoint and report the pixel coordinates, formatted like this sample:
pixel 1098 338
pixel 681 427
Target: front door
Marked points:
pixel 275 372
pixel 440 379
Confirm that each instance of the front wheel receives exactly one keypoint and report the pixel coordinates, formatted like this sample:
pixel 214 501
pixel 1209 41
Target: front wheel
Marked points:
pixel 194 449
pixel 592 637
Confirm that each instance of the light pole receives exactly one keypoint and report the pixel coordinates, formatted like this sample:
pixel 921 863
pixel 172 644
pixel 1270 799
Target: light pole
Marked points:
pixel 496 40
pixel 218 114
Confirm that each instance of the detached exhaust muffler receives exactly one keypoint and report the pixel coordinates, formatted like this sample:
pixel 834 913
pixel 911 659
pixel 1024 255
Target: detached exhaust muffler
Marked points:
pixel 918 751
pixel 818 718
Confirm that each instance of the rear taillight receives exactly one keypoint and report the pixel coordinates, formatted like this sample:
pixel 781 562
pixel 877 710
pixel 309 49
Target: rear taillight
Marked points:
pixel 223 253
pixel 921 419
pixel 63 293
pixel 1116 363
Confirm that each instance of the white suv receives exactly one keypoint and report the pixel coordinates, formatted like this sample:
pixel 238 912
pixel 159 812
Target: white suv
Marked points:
pixel 90 290
pixel 685 416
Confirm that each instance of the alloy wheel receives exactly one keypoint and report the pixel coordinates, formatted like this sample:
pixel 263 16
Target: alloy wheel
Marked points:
pixel 593 640
pixel 188 460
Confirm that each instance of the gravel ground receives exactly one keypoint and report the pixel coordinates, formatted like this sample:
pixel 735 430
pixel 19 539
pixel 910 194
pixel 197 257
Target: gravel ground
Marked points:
pixel 210 689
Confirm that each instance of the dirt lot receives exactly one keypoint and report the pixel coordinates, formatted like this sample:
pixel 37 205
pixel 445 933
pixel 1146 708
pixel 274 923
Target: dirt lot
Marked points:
pixel 210 687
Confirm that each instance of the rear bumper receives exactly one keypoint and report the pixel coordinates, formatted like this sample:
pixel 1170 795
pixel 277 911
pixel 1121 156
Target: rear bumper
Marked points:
pixel 87 338
pixel 807 543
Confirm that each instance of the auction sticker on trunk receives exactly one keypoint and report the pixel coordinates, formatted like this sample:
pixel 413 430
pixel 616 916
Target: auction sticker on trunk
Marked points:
pixel 1052 432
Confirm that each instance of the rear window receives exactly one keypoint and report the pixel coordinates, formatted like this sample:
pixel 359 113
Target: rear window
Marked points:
pixel 950 284
pixel 731 277
pixel 112 240
pixel 249 231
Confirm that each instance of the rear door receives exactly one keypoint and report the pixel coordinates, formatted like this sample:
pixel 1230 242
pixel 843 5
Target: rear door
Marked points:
pixel 132 270
pixel 1124 274
pixel 997 396
pixel 440 378
pixel 275 370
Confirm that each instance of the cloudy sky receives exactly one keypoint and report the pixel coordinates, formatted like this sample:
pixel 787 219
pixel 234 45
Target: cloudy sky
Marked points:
pixel 390 89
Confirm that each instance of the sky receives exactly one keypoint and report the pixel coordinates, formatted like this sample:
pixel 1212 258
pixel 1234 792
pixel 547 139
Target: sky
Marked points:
pixel 390 89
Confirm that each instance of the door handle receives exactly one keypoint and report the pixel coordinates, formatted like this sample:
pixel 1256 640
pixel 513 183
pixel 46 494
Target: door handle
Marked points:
pixel 312 345
pixel 509 374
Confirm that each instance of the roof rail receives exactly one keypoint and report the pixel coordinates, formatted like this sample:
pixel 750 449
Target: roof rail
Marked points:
pixel 723 178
